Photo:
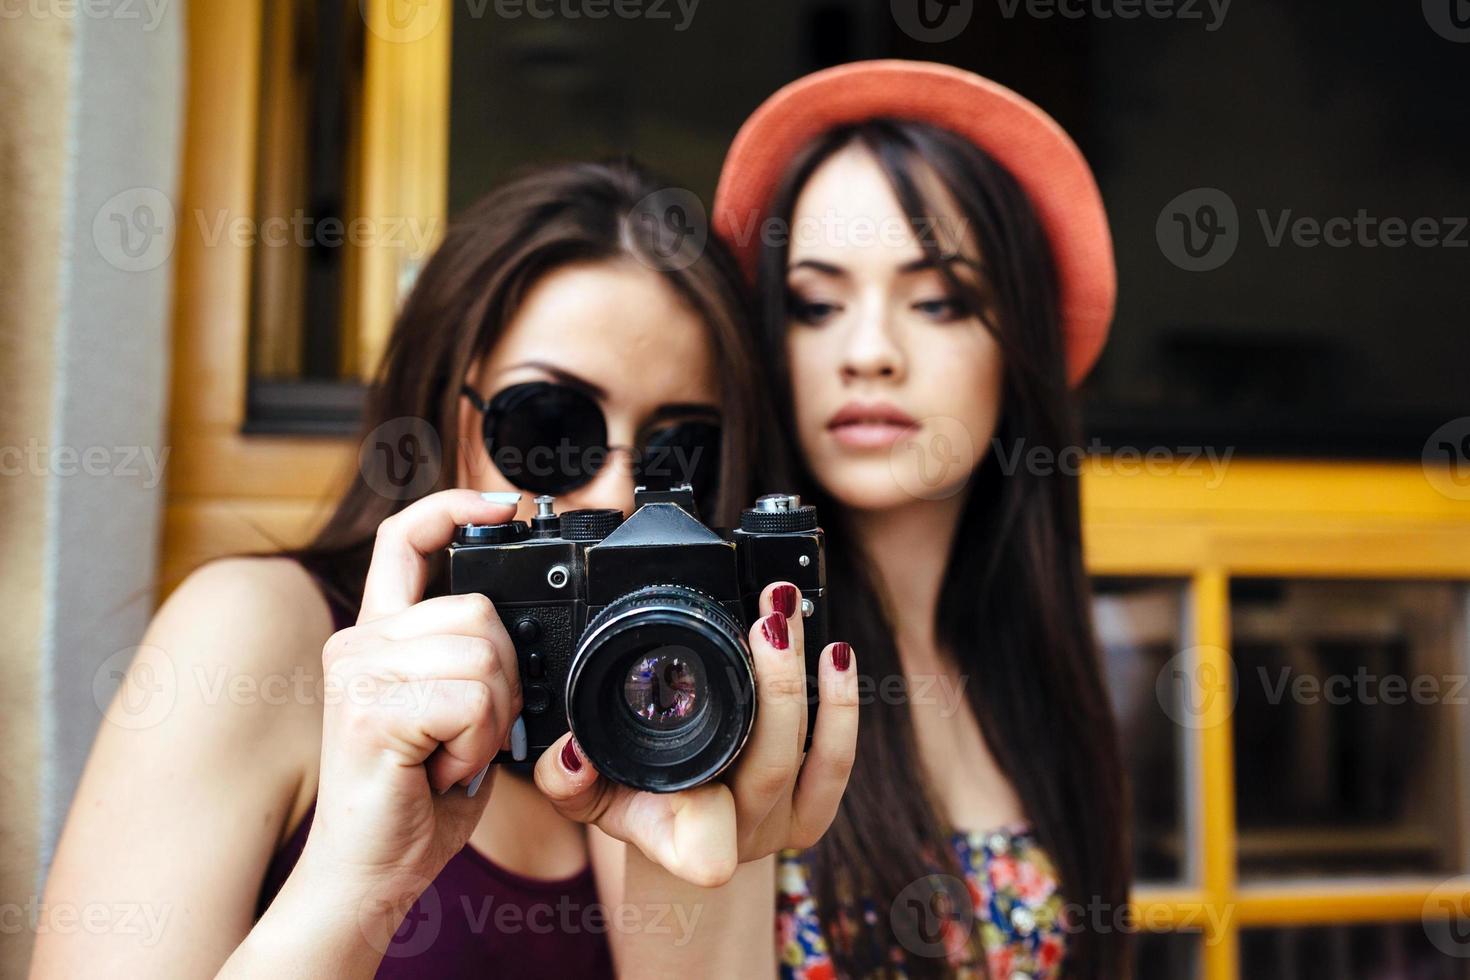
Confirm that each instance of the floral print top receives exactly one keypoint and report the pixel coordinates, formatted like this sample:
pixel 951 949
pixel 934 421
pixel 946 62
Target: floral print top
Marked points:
pixel 1007 908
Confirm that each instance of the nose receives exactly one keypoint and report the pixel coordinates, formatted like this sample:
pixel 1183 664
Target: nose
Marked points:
pixel 872 350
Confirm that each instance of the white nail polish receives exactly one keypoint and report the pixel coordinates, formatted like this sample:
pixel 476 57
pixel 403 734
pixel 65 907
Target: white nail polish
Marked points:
pixel 508 497
pixel 518 750
pixel 474 786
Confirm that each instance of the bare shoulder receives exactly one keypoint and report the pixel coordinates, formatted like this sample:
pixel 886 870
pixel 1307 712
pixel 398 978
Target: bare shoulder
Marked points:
pixel 232 665
pixel 204 761
pixel 239 644
pixel 264 612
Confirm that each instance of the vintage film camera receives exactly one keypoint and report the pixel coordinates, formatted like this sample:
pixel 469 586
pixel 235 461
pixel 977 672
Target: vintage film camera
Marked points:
pixel 632 633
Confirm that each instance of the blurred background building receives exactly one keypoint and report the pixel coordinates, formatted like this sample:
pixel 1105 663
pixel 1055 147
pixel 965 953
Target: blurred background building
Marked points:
pixel 215 207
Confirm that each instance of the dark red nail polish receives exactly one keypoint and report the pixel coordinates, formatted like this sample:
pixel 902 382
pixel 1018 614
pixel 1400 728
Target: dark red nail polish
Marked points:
pixel 841 656
pixel 569 757
pixel 775 630
pixel 783 600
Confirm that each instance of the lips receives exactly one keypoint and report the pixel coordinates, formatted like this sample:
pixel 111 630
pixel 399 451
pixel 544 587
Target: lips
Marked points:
pixel 870 425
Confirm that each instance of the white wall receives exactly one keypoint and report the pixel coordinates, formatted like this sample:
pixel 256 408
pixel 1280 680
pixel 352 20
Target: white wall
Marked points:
pixel 91 104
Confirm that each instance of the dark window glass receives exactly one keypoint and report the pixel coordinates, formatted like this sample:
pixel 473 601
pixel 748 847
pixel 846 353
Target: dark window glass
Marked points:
pixel 1140 628
pixel 1398 951
pixel 1352 701
pixel 1293 344
pixel 1174 955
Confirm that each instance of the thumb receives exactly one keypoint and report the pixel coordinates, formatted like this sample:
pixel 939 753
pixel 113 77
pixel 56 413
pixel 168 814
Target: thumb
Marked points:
pixel 567 779
pixel 691 834
pixel 405 542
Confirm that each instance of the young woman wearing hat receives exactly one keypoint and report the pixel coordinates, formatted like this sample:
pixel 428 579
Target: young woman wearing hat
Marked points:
pixel 935 271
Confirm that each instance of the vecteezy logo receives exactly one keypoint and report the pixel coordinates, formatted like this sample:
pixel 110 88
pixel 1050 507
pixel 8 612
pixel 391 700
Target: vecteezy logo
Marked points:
pixel 410 906
pixel 1447 459
pixel 672 227
pixel 136 687
pixel 1450 19
pixel 401 21
pixel 134 230
pixel 1446 917
pixel 933 916
pixel 1191 687
pixel 932 21
pixel 1198 230
pixel 401 458
pixel 934 460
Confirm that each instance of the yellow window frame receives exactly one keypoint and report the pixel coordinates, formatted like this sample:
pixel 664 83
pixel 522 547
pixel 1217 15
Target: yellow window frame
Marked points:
pixel 1352 520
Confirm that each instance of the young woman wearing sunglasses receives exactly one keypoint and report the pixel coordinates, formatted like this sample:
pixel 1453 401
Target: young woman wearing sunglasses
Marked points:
pixel 934 269
pixel 338 817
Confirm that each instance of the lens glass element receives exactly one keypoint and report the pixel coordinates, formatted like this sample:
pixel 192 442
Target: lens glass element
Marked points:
pixel 665 688
pixel 660 690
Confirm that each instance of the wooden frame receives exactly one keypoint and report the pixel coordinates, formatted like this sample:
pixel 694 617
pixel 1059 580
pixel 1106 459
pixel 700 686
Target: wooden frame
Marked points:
pixel 228 492
pixel 405 172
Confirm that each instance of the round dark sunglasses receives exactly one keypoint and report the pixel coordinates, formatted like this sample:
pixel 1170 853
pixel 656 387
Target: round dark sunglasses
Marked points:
pixel 549 437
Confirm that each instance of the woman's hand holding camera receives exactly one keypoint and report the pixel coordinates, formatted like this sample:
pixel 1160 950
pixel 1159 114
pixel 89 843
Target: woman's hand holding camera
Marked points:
pixel 420 696
pixel 773 796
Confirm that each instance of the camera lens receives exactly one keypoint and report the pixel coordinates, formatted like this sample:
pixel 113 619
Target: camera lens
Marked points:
pixel 666 688
pixel 661 690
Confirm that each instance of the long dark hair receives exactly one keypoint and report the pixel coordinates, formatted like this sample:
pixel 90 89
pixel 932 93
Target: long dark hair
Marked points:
pixel 1014 606
pixel 467 293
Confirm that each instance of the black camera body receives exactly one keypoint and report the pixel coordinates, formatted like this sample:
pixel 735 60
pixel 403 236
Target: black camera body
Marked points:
pixel 632 633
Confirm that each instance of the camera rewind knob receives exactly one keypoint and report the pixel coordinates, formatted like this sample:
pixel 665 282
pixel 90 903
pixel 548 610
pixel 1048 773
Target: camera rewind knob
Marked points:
pixel 589 525
pixel 778 513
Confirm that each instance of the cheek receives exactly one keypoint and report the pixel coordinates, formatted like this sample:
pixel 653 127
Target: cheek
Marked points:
pixel 812 375
pixel 961 373
pixel 470 447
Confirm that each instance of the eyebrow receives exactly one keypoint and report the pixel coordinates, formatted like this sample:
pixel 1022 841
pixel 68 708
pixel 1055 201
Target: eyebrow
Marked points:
pixel 922 264
pixel 825 268
pixel 925 263
pixel 562 375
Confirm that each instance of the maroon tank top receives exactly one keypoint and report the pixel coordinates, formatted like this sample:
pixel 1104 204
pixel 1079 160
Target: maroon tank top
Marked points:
pixel 478 919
